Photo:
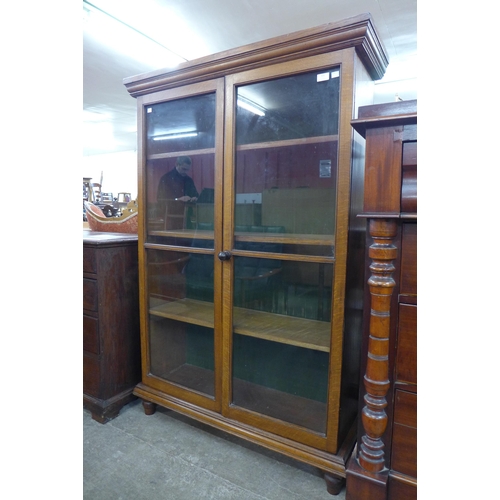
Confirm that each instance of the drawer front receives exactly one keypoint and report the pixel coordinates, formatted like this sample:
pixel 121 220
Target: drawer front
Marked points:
pixel 406 357
pixel 89 260
pixel 90 294
pixel 409 259
pixel 91 334
pixel 91 376
pixel 399 489
pixel 404 434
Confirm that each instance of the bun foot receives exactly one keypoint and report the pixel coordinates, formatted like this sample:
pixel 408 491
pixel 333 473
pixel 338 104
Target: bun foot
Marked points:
pixel 334 484
pixel 149 408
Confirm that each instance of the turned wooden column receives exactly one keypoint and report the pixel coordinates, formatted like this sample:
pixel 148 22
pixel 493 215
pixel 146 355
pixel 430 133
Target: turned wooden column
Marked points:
pixel 376 380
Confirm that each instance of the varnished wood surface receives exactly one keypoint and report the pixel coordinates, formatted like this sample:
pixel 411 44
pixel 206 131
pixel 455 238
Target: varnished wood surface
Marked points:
pixel 325 461
pixel 409 259
pixel 402 487
pixel 287 407
pixel 111 352
pixel 290 239
pixel 357 32
pixel 390 197
pixel 355 47
pixel 310 334
pixel 385 115
pixel 406 356
pixel 98 238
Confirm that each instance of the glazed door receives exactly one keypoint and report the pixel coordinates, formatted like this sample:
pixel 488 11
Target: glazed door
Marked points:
pixel 279 248
pixel 181 188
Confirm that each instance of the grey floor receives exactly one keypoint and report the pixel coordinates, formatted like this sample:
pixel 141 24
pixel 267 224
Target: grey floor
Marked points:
pixel 166 456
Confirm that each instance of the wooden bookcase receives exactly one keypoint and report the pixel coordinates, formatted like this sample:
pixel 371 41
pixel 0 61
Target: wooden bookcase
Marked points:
pixel 250 299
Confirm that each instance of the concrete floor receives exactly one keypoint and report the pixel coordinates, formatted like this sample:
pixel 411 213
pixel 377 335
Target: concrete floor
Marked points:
pixel 166 456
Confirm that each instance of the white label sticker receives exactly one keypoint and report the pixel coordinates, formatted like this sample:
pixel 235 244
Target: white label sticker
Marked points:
pixel 322 77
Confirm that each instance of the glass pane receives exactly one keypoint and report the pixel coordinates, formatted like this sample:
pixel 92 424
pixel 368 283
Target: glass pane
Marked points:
pixel 285 203
pixel 180 169
pixel 281 341
pixel 286 160
pixel 181 125
pixel 181 318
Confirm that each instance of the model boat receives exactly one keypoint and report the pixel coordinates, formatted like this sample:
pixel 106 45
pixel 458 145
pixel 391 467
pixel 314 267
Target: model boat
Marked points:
pixel 125 223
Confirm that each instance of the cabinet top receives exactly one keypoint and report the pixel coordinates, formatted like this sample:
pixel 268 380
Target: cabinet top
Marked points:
pixel 386 114
pixel 358 32
pixel 101 238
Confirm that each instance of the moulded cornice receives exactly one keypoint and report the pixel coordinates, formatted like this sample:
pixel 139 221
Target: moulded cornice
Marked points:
pixel 358 32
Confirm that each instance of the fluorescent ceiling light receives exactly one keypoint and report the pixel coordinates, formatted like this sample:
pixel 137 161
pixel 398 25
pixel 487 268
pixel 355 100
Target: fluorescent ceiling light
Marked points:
pixel 123 38
pixel 174 136
pixel 163 21
pixel 250 106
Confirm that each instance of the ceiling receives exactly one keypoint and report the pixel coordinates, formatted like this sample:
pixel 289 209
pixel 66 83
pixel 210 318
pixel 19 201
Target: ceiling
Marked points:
pixel 179 30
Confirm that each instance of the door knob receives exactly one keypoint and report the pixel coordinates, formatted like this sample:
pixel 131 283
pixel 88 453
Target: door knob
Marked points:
pixel 225 255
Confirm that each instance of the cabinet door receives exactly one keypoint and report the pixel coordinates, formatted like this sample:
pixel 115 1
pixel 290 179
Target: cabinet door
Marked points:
pixel 280 199
pixel 181 185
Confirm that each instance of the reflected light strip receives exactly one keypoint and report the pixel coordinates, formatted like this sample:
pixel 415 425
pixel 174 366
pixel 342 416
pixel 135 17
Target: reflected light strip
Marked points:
pixel 250 107
pixel 174 136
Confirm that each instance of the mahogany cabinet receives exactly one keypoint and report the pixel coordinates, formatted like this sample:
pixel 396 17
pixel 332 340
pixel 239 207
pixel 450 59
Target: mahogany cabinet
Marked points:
pixel 384 465
pixel 252 279
pixel 111 338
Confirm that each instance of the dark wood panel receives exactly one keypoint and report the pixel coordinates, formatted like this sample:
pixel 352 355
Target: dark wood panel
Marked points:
pixel 406 357
pixel 405 411
pixel 111 347
pixel 383 171
pixel 399 489
pixel 404 437
pixel 388 109
pixel 89 260
pixel 90 295
pixel 90 334
pixel 390 197
pixel 91 375
pixel 409 259
pixel 409 189
pixel 404 450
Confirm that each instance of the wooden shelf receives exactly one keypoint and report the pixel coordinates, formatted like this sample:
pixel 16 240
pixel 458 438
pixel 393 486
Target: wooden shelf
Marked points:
pixel 175 154
pixel 278 404
pixel 257 398
pixel 288 142
pixel 307 333
pixel 191 311
pixel 287 239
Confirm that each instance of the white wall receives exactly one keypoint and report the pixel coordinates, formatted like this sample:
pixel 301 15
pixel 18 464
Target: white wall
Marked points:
pixel 119 172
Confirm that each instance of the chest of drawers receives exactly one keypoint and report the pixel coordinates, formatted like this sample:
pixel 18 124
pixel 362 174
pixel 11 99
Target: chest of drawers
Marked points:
pixel 111 345
pixel 384 466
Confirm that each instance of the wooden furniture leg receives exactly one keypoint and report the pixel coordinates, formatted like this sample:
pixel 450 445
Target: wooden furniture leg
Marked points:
pixel 149 408
pixel 334 484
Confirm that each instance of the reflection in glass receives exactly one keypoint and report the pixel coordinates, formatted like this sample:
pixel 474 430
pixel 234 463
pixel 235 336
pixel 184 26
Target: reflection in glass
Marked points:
pixel 180 183
pixel 181 125
pixel 291 107
pixel 299 289
pixel 285 183
pixel 281 341
pixel 181 318
pixel 286 157
pixel 286 382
